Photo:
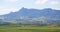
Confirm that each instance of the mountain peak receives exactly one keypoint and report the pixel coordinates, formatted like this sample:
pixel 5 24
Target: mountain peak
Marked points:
pixel 48 9
pixel 23 8
pixel 33 13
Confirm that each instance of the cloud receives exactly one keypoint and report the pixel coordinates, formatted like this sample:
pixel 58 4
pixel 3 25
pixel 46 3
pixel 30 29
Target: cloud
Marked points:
pixel 1 7
pixel 12 0
pixel 5 10
pixel 54 2
pixel 11 9
pixel 41 1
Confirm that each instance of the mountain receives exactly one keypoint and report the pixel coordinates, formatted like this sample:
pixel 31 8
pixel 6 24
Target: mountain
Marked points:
pixel 33 13
pixel 46 14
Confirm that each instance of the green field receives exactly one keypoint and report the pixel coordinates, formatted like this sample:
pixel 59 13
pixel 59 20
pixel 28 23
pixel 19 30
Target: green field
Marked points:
pixel 27 29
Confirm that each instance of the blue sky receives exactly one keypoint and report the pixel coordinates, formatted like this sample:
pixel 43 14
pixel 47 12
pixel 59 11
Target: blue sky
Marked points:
pixel 7 6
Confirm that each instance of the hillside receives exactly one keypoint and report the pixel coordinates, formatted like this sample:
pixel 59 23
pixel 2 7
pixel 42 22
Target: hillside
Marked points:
pixel 25 15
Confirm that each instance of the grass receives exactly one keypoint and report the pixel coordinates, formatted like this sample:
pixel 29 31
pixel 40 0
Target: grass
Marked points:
pixel 27 29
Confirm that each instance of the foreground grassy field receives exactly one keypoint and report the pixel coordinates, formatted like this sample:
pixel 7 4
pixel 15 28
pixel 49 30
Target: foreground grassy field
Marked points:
pixel 27 29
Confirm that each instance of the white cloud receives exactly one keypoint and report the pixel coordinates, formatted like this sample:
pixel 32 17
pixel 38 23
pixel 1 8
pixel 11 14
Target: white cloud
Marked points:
pixel 5 10
pixel 11 9
pixel 12 0
pixel 54 2
pixel 1 7
pixel 41 1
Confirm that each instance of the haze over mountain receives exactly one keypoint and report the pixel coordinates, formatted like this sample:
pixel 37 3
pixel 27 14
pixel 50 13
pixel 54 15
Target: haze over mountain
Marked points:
pixel 33 13
pixel 26 15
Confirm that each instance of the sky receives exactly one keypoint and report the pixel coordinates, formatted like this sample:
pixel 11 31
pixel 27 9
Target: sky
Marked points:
pixel 7 6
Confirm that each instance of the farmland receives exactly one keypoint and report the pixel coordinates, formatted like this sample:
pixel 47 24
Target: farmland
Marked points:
pixel 28 29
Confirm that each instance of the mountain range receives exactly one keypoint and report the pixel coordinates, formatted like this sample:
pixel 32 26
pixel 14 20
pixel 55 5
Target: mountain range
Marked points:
pixel 27 15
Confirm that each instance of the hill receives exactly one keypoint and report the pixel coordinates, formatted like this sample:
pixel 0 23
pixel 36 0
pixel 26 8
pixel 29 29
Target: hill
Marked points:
pixel 25 15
